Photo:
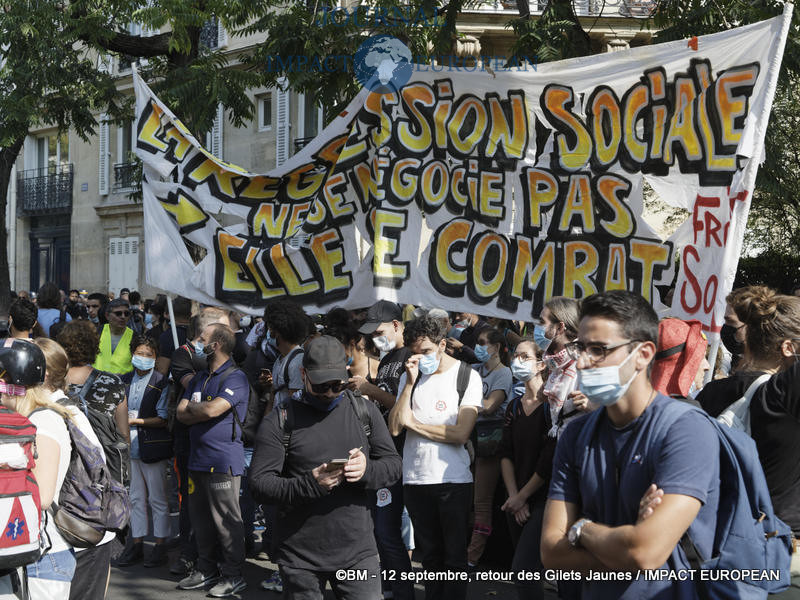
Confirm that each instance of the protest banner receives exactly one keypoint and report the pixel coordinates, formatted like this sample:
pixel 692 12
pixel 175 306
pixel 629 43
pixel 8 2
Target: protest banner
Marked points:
pixel 479 191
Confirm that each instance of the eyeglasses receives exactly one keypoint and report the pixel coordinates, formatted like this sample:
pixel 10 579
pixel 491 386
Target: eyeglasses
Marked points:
pixel 121 313
pixel 595 352
pixel 334 386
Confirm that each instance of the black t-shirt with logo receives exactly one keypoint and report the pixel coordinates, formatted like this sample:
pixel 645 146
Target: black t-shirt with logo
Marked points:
pixel 390 369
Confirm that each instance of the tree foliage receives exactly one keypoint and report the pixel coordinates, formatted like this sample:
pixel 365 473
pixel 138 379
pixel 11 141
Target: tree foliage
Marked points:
pixel 44 80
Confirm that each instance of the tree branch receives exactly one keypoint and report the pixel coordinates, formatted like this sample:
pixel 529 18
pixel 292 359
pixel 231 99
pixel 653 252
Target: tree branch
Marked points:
pixel 133 45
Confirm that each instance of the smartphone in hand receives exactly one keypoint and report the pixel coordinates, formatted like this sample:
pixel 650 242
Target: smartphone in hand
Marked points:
pixel 336 464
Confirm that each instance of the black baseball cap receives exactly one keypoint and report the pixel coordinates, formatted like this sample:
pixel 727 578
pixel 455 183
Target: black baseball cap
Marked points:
pixel 325 360
pixel 382 311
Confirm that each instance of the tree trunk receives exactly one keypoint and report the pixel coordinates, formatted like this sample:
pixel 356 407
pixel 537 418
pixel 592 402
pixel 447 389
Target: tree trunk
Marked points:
pixel 8 156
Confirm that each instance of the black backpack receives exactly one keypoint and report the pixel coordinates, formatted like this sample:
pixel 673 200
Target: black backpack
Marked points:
pixel 286 417
pixel 256 406
pixel 116 448
pixel 59 323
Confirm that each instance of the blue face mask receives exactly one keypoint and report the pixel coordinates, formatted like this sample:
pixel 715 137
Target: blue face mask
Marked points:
pixel 148 319
pixel 349 360
pixel 540 338
pixel 522 370
pixel 271 340
pixel 428 363
pixel 142 362
pixel 602 385
pixel 199 347
pixel 481 353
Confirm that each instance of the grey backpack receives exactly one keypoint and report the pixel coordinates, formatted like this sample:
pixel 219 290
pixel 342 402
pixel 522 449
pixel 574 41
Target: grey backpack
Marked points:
pixel 90 501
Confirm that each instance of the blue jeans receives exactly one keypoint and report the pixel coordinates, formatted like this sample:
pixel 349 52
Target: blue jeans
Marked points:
pixel 389 538
pixel 57 566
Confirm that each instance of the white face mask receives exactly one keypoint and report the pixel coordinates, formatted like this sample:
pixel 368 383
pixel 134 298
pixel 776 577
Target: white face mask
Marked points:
pixel 383 344
pixel 602 385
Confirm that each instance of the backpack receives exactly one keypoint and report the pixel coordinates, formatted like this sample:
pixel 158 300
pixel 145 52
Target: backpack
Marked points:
pixel 462 382
pixel 256 405
pixel 90 501
pixel 748 535
pixel 116 448
pixel 59 323
pixel 286 417
pixel 737 415
pixel 19 492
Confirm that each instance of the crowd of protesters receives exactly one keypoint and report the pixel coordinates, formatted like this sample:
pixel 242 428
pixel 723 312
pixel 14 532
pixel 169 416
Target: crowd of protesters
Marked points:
pixel 363 439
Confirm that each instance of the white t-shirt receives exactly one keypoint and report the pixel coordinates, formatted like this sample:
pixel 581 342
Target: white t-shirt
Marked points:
pixel 51 424
pixel 435 402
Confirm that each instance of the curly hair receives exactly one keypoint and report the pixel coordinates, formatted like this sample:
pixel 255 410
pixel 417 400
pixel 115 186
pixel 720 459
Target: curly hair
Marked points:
pixel 340 325
pixel 143 340
pixel 287 319
pixel 49 296
pixel 424 327
pixel 80 341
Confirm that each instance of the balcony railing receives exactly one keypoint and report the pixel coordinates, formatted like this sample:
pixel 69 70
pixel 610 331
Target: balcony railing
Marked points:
pixel 45 191
pixel 127 177
pixel 300 143
pixel 607 8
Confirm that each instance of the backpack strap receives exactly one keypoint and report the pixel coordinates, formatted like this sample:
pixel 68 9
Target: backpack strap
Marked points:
pixel 236 420
pixel 289 359
pixel 462 380
pixel 738 413
pixel 87 385
pixel 360 407
pixel 286 423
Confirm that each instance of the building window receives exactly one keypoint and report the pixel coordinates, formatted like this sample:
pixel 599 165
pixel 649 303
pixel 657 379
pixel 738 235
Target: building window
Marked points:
pixel 264 111
pixel 51 151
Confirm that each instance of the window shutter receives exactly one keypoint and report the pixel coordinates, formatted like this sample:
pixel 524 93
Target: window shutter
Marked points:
pixel 214 137
pixel 283 128
pixel 222 34
pixel 102 178
pixel 105 63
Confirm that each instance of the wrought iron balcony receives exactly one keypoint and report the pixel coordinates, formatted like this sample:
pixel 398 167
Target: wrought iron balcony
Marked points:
pixel 583 8
pixel 45 191
pixel 300 143
pixel 127 177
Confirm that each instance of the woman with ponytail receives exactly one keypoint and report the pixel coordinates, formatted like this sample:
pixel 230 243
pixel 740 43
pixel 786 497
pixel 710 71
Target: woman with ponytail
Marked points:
pixel 750 360
pixel 22 389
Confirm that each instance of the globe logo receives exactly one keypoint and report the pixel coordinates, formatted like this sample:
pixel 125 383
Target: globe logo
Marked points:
pixel 383 64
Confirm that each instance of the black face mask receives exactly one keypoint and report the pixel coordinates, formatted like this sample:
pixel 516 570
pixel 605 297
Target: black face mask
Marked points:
pixel 728 336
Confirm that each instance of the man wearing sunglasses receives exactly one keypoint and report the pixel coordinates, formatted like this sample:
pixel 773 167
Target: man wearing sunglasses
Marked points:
pixel 600 519
pixel 115 340
pixel 314 459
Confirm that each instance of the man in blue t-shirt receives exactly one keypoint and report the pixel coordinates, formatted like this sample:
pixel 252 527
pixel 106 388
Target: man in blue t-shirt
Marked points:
pixel 216 462
pixel 603 519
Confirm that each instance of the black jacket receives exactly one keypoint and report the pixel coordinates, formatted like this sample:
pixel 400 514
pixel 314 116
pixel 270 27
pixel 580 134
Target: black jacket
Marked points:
pixel 316 529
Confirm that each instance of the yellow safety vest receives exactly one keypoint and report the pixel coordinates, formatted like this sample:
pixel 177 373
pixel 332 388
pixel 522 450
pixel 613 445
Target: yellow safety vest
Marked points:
pixel 120 361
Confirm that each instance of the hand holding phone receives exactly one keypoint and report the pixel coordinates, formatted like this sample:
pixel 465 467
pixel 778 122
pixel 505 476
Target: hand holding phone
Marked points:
pixel 336 464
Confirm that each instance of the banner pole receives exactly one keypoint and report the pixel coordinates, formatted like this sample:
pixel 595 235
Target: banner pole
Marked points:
pixel 712 360
pixel 172 322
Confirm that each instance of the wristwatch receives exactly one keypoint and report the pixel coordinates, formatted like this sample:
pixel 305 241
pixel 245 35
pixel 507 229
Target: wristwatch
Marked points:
pixel 574 534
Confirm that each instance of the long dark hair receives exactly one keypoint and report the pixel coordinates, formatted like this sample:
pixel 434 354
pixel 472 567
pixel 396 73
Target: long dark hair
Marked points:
pixel 493 336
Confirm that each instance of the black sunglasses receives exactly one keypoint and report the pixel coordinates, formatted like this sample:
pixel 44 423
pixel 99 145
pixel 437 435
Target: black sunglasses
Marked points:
pixel 334 386
pixel 121 313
